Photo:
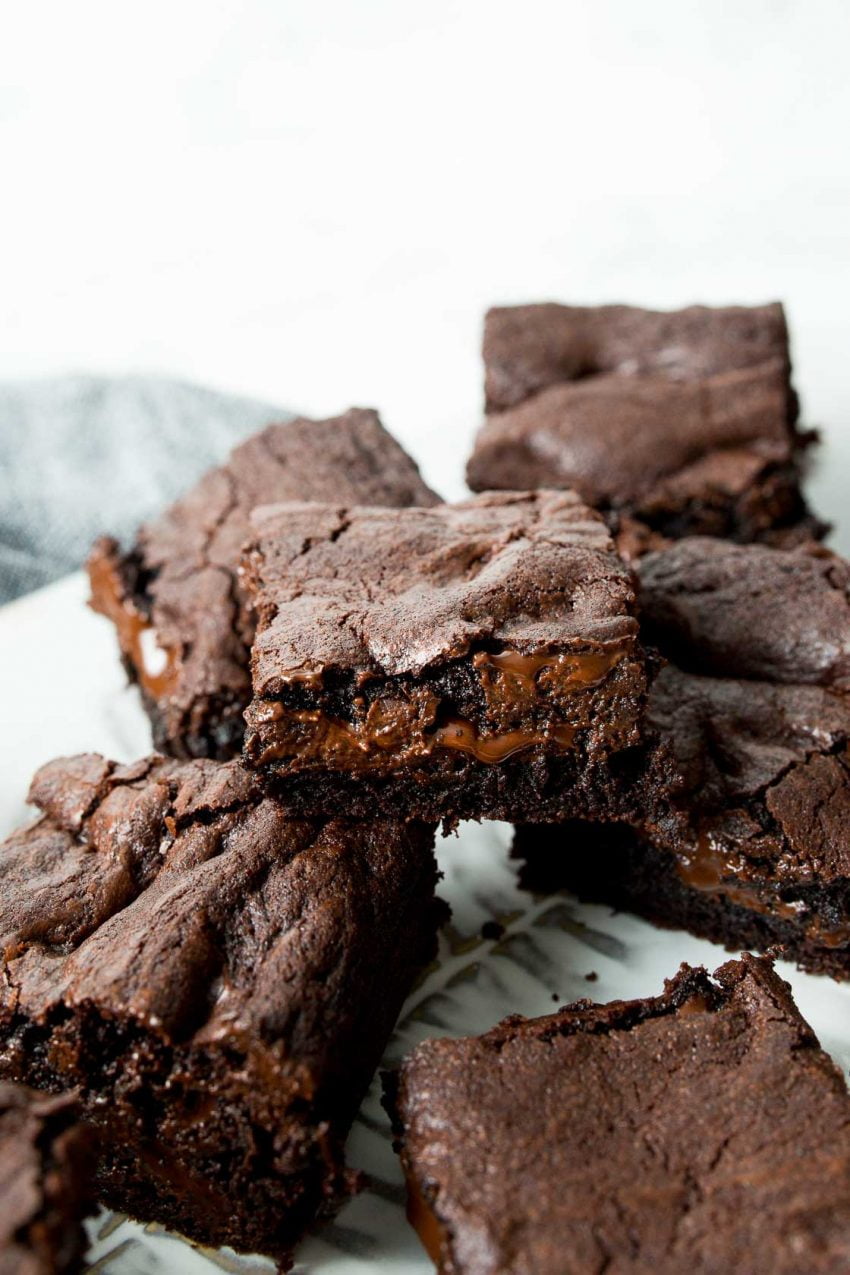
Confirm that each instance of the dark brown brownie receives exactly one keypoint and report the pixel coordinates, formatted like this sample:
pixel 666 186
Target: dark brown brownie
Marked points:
pixel 46 1169
pixel 218 981
pixel 672 424
pixel 702 1130
pixel 756 710
pixel 174 597
pixel 476 660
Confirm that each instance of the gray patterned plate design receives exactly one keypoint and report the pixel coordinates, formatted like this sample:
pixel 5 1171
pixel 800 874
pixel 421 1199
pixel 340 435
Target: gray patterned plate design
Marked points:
pixel 543 957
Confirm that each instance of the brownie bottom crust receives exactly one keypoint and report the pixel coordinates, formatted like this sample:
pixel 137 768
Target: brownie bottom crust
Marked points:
pixel 192 1139
pixel 613 865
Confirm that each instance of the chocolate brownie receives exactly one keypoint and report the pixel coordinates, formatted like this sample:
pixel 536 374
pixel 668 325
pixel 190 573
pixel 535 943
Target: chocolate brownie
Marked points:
pixel 755 706
pixel 477 660
pixel 46 1168
pixel 216 980
pixel 672 424
pixel 174 597
pixel 702 1130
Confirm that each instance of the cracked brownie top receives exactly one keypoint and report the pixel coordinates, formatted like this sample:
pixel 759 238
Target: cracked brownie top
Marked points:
pixel 390 592
pixel 528 348
pixel 750 611
pixel 216 981
pixel 500 630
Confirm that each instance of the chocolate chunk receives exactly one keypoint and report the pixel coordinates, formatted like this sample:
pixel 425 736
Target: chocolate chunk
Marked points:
pixel 672 424
pixel 700 1130
pixel 174 597
pixel 476 660
pixel 46 1168
pixel 216 980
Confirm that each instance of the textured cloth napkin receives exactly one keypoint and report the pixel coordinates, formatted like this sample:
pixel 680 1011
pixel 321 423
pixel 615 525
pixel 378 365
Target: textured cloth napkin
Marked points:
pixel 80 456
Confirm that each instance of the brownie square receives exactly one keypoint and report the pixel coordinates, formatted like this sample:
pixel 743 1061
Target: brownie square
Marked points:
pixel 755 709
pixel 477 660
pixel 174 596
pixel 700 1130
pixel 217 981
pixel 672 424
pixel 46 1168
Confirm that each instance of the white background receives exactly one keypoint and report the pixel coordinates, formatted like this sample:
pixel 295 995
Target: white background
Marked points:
pixel 313 201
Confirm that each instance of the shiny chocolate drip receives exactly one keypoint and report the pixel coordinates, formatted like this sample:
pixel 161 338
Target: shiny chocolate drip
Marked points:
pixel 692 1006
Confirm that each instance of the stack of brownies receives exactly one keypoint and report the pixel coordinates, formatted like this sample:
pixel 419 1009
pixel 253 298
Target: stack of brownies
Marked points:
pixel 632 645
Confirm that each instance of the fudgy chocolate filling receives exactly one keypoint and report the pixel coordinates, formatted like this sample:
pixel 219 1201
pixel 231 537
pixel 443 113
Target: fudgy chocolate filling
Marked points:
pixel 495 748
pixel 508 675
pixel 110 598
pixel 707 867
pixel 399 730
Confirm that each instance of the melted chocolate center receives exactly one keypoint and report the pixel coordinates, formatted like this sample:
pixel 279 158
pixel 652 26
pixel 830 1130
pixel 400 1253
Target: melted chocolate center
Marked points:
pixel 400 730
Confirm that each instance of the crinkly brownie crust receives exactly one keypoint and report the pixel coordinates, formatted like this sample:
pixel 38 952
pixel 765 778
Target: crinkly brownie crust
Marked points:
pixel 528 348
pixel 750 612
